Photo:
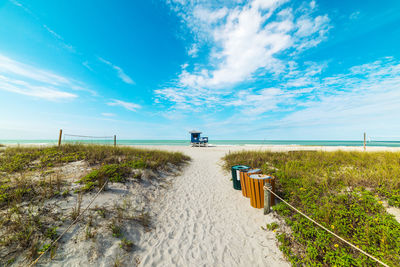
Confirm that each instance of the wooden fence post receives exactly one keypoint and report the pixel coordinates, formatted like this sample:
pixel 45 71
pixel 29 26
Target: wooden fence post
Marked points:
pixel 267 198
pixel 365 141
pixel 59 138
pixel 115 140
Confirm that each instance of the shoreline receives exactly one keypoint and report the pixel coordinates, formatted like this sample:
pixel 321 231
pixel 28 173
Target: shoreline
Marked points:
pixel 238 143
pixel 273 148
pixel 238 147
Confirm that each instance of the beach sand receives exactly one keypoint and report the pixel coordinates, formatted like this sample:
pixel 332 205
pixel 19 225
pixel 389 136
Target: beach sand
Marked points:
pixel 203 221
pixel 199 220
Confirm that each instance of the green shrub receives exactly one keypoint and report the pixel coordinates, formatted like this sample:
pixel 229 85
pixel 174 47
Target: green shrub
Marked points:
pixel 111 172
pixel 116 229
pixel 126 244
pixel 331 187
pixel 272 226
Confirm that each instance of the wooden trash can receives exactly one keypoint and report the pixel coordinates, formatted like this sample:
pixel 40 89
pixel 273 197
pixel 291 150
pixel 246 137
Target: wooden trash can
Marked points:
pixel 256 182
pixel 244 180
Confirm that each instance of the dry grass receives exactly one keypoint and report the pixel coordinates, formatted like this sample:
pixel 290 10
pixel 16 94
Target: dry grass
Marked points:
pixel 30 177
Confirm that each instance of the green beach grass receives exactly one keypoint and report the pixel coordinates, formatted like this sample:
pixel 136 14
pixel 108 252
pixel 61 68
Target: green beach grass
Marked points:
pixel 344 191
pixel 29 177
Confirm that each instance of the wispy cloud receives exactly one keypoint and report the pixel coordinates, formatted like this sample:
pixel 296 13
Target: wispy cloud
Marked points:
pixel 28 80
pixel 60 39
pixel 57 36
pixel 15 2
pixel 261 101
pixel 127 105
pixel 27 10
pixel 86 64
pixel 355 15
pixel 363 96
pixel 108 114
pixel 121 74
pixel 24 88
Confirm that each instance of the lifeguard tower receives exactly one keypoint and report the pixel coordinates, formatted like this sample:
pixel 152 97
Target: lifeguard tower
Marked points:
pixel 197 140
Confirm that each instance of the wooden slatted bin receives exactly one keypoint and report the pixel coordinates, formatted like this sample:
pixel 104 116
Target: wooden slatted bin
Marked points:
pixel 244 180
pixel 256 182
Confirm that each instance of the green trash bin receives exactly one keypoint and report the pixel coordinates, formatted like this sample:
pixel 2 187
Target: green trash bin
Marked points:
pixel 236 175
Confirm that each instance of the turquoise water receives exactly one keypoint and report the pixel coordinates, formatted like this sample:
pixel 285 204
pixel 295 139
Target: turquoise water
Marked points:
pixel 218 142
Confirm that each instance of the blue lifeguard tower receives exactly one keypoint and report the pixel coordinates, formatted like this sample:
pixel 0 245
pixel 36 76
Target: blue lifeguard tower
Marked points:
pixel 197 140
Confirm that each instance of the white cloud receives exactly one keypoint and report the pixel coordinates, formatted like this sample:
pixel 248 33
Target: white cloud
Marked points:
pixel 247 43
pixel 313 4
pixel 13 67
pixel 15 2
pixel 243 44
pixel 367 94
pixel 121 74
pixel 108 114
pixel 193 51
pixel 23 88
pixel 355 15
pixel 86 64
pixel 126 105
pixel 311 31
pixel 260 102
pixel 58 37
pixel 341 106
pixel 209 16
pixel 28 80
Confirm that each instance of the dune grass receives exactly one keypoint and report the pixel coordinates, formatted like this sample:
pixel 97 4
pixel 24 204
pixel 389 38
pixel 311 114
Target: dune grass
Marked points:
pixel 344 191
pixel 28 177
pixel 15 159
pixel 117 162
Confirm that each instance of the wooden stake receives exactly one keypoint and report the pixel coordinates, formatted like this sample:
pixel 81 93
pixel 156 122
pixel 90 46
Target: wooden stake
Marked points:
pixel 267 199
pixel 59 138
pixel 365 141
pixel 115 140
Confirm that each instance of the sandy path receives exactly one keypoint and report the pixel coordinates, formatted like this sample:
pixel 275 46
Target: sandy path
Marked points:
pixel 202 221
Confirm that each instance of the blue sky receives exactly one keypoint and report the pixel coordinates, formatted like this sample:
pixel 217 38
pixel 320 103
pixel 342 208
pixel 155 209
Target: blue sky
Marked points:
pixel 261 69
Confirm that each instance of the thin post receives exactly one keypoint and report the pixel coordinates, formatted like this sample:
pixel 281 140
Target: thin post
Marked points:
pixel 115 140
pixel 267 198
pixel 59 138
pixel 365 141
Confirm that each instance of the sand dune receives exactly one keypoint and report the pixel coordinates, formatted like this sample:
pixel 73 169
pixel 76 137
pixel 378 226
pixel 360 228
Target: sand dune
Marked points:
pixel 202 221
pixel 198 219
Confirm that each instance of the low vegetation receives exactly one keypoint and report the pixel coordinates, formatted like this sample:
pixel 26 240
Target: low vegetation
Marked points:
pixel 30 177
pixel 16 159
pixel 344 191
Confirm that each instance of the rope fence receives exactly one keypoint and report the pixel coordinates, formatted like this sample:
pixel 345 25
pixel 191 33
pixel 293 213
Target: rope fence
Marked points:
pixel 326 229
pixel 74 222
pixel 85 138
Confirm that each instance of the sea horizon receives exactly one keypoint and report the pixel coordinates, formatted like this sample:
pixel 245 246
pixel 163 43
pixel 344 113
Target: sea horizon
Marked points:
pixel 211 142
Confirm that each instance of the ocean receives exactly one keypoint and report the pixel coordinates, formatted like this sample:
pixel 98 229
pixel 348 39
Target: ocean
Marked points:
pixel 217 142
